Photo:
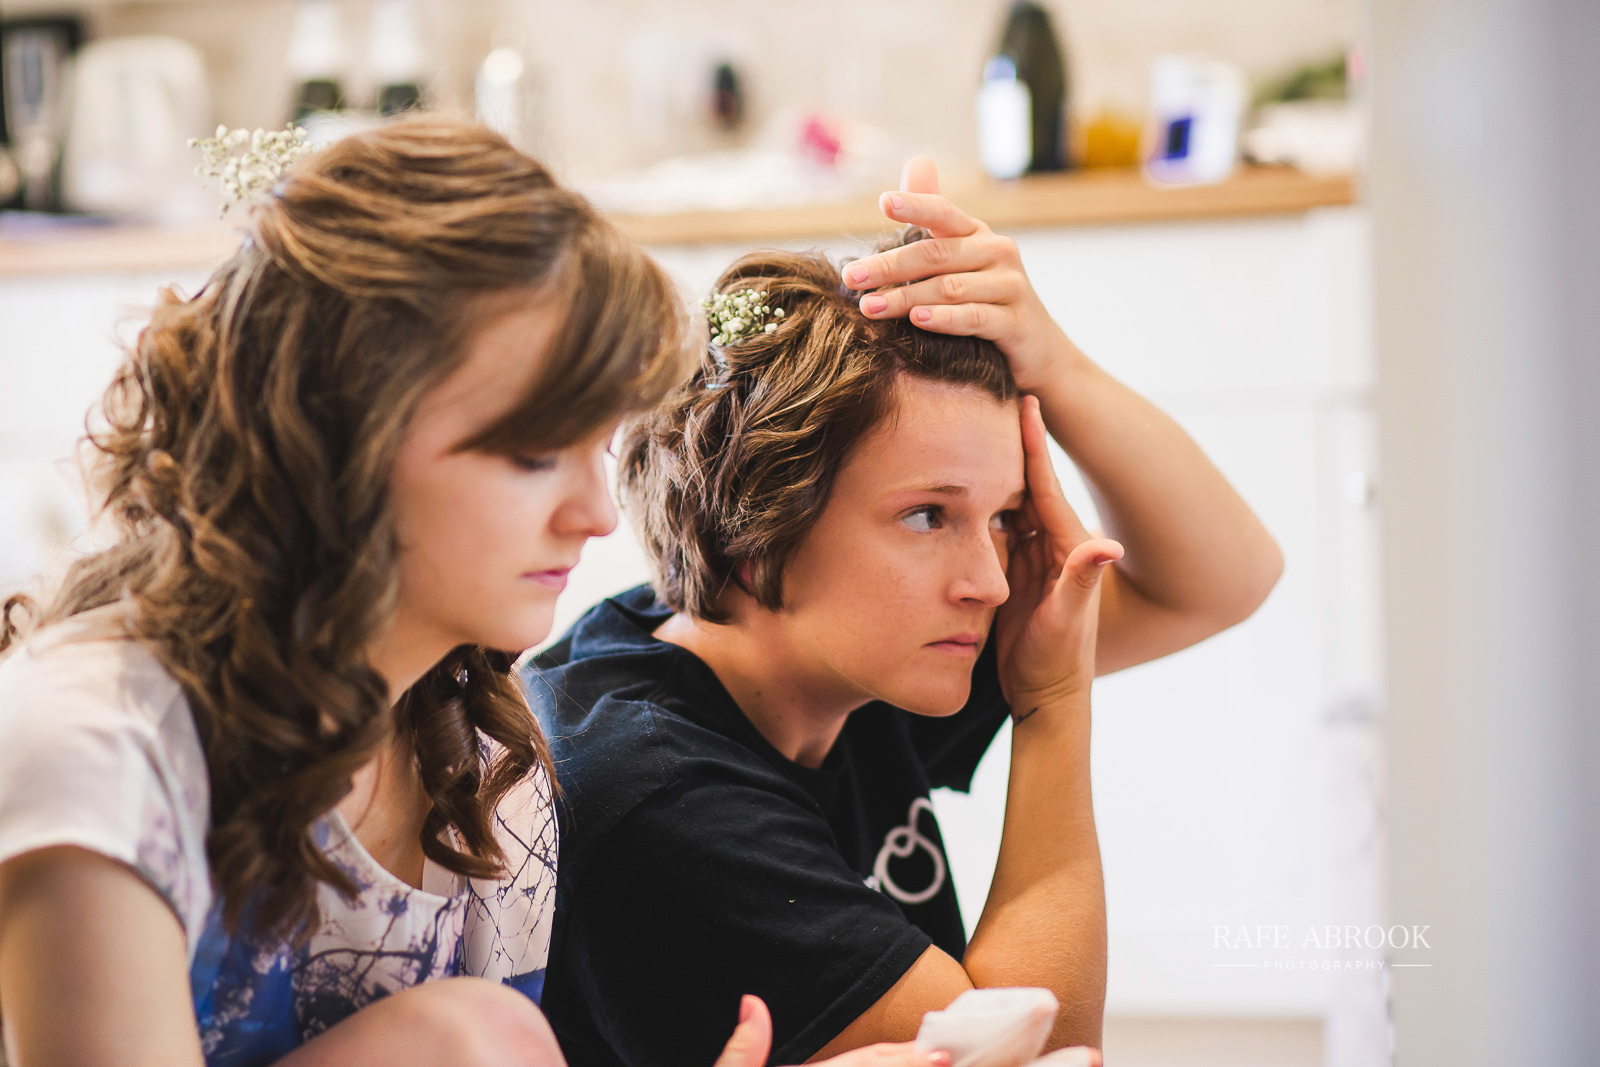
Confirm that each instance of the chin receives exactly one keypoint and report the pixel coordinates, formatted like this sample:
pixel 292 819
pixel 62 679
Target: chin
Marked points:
pixel 515 635
pixel 933 700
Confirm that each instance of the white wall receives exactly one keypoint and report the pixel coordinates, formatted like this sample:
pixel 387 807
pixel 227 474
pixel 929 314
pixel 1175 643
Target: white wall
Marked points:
pixel 1488 270
pixel 615 69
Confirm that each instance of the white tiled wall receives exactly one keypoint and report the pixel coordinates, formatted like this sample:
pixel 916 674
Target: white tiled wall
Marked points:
pixel 621 75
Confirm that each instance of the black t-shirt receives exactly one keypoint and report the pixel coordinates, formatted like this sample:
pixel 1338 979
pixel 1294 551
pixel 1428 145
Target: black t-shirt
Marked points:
pixel 697 863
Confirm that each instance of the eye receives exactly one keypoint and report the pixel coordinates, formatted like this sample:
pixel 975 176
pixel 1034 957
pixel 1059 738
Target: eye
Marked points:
pixel 533 464
pixel 1005 522
pixel 924 519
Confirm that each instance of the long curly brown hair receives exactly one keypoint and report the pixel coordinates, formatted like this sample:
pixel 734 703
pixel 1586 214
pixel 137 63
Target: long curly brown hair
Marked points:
pixel 245 455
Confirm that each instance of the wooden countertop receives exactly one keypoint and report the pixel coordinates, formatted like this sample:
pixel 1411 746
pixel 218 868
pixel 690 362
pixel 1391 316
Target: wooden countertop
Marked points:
pixel 1074 199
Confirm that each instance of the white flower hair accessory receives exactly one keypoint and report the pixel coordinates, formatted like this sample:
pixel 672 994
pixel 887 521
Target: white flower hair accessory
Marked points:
pixel 249 162
pixel 733 317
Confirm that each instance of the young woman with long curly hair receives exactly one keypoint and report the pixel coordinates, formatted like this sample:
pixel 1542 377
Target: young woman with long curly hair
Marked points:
pixel 268 791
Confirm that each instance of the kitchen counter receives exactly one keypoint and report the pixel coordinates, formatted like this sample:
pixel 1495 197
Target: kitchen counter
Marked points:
pixel 1074 199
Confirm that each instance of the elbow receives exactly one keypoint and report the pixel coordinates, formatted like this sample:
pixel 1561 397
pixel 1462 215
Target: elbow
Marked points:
pixel 1260 577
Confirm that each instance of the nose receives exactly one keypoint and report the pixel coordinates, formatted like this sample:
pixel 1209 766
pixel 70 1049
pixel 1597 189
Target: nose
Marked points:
pixel 982 572
pixel 587 510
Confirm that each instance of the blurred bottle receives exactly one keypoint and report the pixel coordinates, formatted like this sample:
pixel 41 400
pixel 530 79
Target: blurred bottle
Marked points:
pixel 727 98
pixel 396 55
pixel 316 58
pixel 509 94
pixel 1110 139
pixel 1005 120
pixel 1029 42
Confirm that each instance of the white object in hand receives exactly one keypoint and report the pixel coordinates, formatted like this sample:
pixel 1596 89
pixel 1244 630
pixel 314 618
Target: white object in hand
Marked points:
pixel 991 1027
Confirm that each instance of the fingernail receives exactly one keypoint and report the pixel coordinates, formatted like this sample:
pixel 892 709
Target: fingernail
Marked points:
pixel 922 314
pixel 746 1008
pixel 856 275
pixel 1101 561
pixel 939 1058
pixel 896 202
pixel 874 305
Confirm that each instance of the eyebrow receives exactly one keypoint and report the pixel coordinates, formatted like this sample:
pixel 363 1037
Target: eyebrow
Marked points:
pixel 956 490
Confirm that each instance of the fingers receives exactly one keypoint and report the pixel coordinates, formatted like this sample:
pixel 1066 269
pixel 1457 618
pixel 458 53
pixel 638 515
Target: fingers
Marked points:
pixel 930 211
pixel 1055 516
pixel 919 176
pixel 989 321
pixel 978 287
pixel 923 259
pixel 751 1039
pixel 887 1055
pixel 1087 562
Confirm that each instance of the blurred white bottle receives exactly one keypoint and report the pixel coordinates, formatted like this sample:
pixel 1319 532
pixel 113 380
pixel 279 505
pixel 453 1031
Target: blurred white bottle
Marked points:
pixel 1005 120
pixel 509 93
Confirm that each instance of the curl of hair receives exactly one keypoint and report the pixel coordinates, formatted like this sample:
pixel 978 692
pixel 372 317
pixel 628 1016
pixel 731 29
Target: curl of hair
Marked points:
pixel 724 479
pixel 245 459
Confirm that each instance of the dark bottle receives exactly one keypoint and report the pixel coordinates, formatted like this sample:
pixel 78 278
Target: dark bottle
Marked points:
pixel 1030 42
pixel 317 94
pixel 316 58
pixel 401 96
pixel 396 56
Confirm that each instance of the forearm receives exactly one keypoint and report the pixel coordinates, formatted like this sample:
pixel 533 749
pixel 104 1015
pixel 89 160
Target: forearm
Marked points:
pixel 1044 923
pixel 1194 546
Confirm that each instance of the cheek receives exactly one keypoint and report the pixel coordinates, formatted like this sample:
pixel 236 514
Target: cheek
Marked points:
pixel 456 517
pixel 877 600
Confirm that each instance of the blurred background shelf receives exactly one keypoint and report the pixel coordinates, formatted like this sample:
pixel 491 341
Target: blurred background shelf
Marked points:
pixel 1088 198
pixel 1078 198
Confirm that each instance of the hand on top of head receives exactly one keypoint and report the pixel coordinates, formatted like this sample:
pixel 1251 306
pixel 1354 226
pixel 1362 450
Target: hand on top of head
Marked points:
pixel 965 280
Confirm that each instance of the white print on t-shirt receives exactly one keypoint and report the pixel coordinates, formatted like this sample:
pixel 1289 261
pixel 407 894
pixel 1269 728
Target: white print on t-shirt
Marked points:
pixel 901 842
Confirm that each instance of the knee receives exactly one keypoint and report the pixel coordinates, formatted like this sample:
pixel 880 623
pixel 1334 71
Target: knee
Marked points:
pixel 474 1022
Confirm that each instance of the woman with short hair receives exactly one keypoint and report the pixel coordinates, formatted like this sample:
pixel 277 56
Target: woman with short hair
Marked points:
pixel 863 567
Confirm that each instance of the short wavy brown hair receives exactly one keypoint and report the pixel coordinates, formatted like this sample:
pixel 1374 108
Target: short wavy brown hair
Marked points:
pixel 726 477
pixel 250 435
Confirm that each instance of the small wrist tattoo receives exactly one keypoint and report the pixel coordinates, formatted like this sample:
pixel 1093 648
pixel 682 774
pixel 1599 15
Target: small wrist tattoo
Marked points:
pixel 1025 716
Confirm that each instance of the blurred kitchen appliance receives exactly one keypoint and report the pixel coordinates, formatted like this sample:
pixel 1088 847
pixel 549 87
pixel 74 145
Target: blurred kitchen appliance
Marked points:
pixel 35 62
pixel 1196 108
pixel 136 103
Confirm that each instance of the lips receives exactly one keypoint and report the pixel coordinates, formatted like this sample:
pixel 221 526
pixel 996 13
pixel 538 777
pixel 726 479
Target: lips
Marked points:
pixel 555 578
pixel 963 644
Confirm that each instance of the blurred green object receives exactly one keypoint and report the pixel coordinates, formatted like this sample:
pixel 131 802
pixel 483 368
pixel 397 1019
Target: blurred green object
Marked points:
pixel 1314 81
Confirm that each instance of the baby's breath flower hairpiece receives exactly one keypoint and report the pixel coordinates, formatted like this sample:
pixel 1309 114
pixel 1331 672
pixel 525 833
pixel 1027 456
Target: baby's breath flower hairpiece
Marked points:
pixel 249 161
pixel 736 316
